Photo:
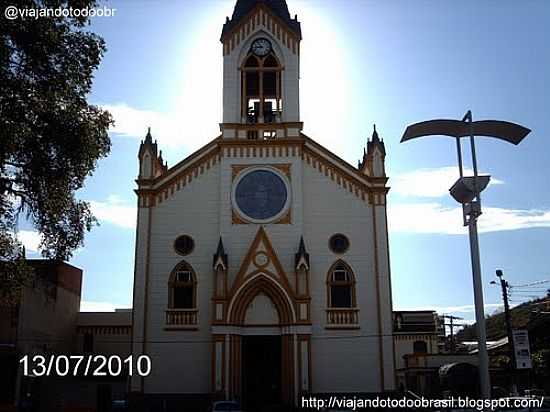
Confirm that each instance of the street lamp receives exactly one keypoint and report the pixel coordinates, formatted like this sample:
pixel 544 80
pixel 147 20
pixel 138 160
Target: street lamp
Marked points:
pixel 466 190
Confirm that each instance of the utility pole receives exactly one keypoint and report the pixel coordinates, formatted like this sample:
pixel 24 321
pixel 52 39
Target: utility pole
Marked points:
pixel 508 318
pixel 452 326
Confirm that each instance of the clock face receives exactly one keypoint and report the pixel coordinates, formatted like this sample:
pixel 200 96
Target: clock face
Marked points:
pixel 261 194
pixel 261 47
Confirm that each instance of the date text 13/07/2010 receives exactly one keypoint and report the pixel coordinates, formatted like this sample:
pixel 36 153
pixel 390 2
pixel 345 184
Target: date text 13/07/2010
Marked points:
pixel 85 365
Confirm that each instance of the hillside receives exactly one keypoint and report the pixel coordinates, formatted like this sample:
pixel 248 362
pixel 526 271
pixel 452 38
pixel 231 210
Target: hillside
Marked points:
pixel 522 318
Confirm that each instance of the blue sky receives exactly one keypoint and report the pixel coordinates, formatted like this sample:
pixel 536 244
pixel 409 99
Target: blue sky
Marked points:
pixel 392 63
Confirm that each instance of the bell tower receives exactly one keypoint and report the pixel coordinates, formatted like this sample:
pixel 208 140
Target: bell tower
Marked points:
pixel 261 66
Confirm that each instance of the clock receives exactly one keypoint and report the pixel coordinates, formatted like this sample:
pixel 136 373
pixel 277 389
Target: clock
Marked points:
pixel 261 47
pixel 261 195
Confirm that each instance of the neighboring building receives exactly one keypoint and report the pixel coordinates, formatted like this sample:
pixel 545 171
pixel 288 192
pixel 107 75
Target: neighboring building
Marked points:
pixel 105 332
pixel 44 323
pixel 423 373
pixel 418 359
pixel 262 267
pixel 47 322
pixel 415 333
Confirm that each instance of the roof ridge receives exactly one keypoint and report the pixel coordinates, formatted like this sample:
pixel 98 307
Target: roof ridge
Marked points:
pixel 244 7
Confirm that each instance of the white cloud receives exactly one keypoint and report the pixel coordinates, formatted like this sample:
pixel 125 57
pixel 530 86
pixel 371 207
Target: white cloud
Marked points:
pixel 91 306
pixel 133 122
pixel 489 308
pixel 424 218
pixel 438 219
pixel 433 217
pixel 115 212
pixel 430 182
pixel 189 128
pixel 30 239
pixel 496 219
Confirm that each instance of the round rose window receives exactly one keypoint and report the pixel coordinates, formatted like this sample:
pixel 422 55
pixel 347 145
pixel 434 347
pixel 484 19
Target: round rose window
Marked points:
pixel 261 195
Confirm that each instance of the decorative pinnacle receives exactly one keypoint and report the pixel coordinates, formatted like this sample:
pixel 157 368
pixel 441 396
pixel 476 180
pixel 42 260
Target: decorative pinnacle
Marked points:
pixel 220 254
pixel 148 137
pixel 302 254
pixel 375 134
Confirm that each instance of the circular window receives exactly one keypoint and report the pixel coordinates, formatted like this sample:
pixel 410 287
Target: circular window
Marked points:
pixel 184 244
pixel 261 259
pixel 261 195
pixel 338 243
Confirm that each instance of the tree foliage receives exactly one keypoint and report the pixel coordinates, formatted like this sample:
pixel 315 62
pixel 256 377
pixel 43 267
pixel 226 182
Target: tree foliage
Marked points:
pixel 50 136
pixel 541 362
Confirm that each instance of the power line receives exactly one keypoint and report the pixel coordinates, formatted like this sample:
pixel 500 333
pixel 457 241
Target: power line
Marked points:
pixel 530 289
pixel 538 282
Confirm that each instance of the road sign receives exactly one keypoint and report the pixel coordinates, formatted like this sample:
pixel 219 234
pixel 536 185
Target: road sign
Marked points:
pixel 521 348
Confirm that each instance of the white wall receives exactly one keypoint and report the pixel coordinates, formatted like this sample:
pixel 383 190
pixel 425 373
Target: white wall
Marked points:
pixel 193 210
pixel 354 364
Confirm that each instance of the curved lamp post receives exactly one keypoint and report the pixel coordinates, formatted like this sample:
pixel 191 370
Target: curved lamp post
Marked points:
pixel 466 190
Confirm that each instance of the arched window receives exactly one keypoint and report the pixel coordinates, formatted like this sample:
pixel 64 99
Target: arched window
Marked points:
pixel 183 287
pixel 261 88
pixel 341 286
pixel 420 346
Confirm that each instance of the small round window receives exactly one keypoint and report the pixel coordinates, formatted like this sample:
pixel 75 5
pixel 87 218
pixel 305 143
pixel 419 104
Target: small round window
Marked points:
pixel 338 243
pixel 184 244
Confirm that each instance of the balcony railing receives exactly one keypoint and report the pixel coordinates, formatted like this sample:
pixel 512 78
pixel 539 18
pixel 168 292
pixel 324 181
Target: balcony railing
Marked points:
pixel 269 116
pixel 181 318
pixel 343 318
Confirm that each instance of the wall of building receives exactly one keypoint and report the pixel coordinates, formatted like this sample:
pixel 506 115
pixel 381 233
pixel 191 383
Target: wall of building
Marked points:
pixel 48 313
pixel 111 331
pixel 404 345
pixel 353 361
pixel 8 322
pixel 193 210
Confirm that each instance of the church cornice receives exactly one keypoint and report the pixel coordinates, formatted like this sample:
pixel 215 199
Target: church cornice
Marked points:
pixel 370 189
pixel 368 180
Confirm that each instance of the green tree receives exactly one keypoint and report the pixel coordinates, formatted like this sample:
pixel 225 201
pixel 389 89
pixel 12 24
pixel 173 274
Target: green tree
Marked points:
pixel 50 136
pixel 541 362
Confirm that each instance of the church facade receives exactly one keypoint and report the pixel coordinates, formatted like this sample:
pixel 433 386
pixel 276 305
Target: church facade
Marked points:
pixel 262 267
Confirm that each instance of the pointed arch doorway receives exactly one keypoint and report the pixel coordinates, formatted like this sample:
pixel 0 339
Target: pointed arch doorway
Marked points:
pixel 262 354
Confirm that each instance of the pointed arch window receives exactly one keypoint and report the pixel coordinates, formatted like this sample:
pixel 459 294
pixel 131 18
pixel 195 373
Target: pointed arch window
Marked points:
pixel 183 287
pixel 261 88
pixel 341 286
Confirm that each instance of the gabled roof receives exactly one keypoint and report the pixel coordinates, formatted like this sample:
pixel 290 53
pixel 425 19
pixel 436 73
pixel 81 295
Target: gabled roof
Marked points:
pixel 278 7
pixel 322 159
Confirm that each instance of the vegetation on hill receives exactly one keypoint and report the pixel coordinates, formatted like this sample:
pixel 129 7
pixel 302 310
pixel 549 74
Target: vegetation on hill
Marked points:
pixel 495 324
pixel 534 316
